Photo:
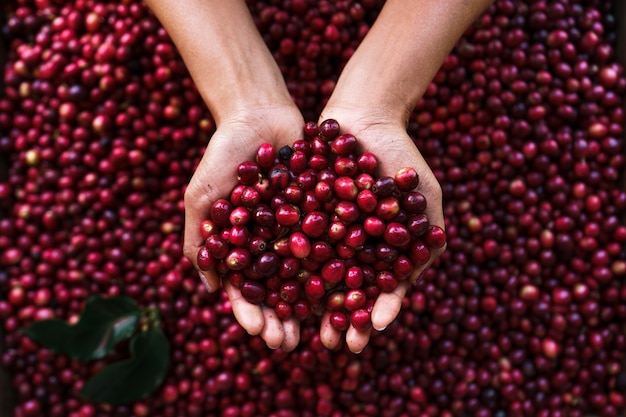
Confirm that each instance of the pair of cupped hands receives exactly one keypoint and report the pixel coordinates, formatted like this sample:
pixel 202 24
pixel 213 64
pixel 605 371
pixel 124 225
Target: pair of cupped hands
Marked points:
pixel 235 140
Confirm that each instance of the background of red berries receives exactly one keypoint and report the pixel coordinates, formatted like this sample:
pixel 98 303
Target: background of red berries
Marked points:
pixel 101 127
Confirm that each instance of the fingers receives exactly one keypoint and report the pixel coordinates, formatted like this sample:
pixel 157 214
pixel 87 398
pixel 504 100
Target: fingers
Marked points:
pixel 291 328
pixel 430 187
pixel 273 332
pixel 331 337
pixel 198 202
pixel 210 280
pixel 262 321
pixel 357 339
pixel 280 334
pixel 249 316
pixel 195 213
pixel 388 305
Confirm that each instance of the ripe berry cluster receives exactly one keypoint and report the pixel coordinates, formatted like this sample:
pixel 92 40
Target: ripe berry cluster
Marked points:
pixel 311 227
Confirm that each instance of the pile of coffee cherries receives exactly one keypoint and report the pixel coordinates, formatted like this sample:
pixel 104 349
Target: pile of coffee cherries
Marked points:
pixel 311 227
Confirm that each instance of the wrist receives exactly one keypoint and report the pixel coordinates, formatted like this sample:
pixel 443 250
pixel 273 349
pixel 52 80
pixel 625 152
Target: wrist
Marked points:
pixel 252 84
pixel 375 99
pixel 241 102
pixel 226 56
pixel 395 63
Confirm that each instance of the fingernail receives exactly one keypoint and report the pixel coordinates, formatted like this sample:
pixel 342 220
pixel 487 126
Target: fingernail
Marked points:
pixel 205 282
pixel 379 329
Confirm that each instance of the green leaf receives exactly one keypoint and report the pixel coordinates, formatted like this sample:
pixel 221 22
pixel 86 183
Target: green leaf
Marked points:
pixel 135 378
pixel 53 333
pixel 103 323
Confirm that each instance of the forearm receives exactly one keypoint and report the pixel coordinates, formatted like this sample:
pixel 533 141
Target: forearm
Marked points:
pixel 401 54
pixel 224 53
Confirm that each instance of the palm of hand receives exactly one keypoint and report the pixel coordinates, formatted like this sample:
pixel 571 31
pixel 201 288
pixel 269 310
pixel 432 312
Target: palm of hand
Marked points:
pixel 234 142
pixel 394 150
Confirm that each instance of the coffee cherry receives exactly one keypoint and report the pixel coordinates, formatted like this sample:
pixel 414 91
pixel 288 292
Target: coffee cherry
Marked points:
pixel 345 167
pixel 207 228
pixel 238 259
pixel 406 179
pixel 335 301
pixel 299 245
pixel 220 212
pixel 333 271
pixel 360 319
pixel 339 321
pixel 386 281
pixel 279 176
pixel 387 208
pixel 287 215
pixel 238 236
pixel 354 299
pixel 318 162
pixel 337 230
pixel 418 224
pixel 310 130
pixel 364 181
pixel 435 237
pixel 314 287
pixel 321 251
pixel 344 145
pixel 419 253
pixel 290 291
pixel 283 310
pixel 240 216
pixel 345 188
pixel 374 226
pixel 413 202
pixel 250 197
pixel 355 236
pixel 328 129
pixel 367 201
pixel 402 267
pixel 367 163
pixel 285 153
pixel 253 291
pixel 397 234
pixel 264 215
pixel 315 223
pixel 205 260
pixel 384 186
pixel 298 162
pixel 217 247
pixel 265 156
pixel 347 212
pixel 248 173
pixel 267 264
pixel 301 309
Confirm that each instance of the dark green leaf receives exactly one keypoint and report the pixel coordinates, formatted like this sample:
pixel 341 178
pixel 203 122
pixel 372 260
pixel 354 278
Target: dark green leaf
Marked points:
pixel 135 378
pixel 54 333
pixel 103 323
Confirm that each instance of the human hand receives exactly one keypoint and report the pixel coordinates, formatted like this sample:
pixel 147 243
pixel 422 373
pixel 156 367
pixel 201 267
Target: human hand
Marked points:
pixel 236 140
pixel 387 139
